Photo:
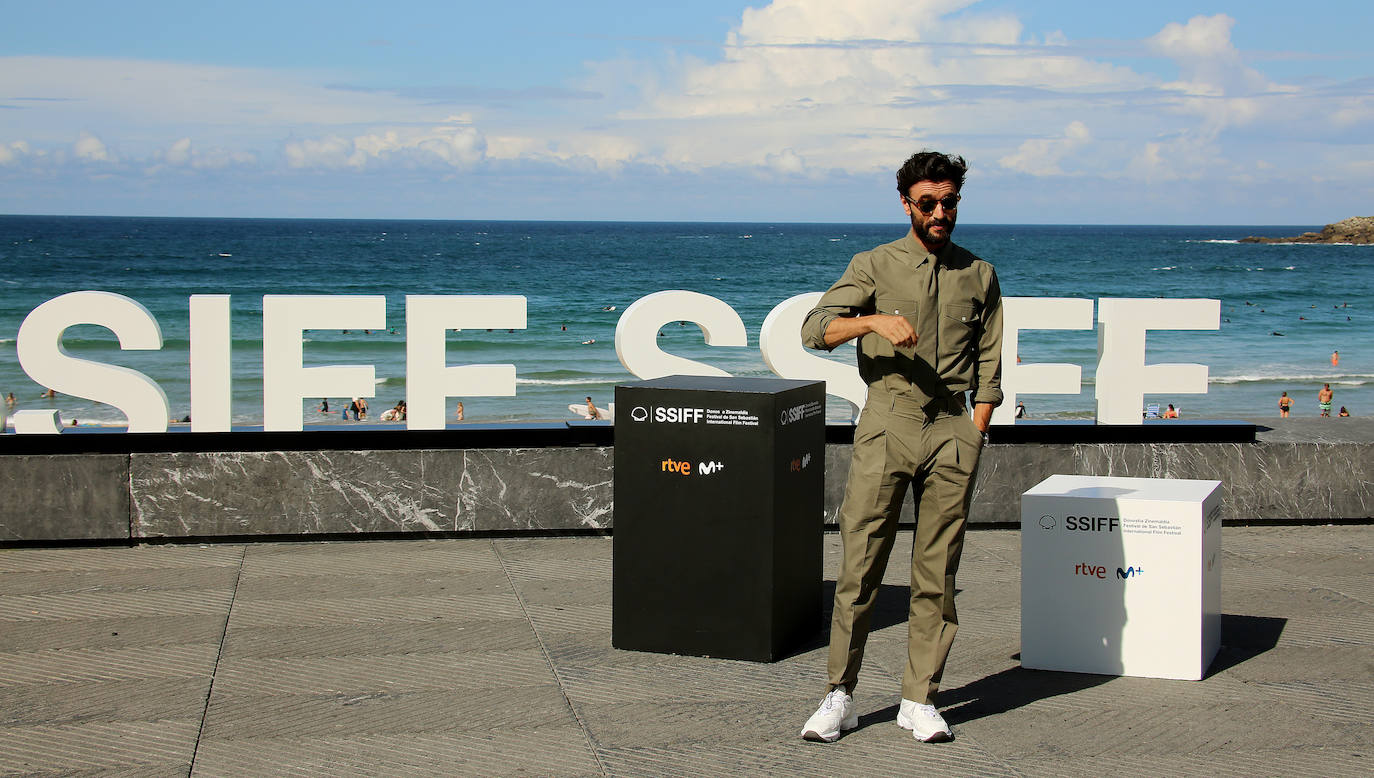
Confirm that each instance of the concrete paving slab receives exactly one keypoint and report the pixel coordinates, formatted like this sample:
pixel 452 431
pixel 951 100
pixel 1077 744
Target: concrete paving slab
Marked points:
pixel 493 657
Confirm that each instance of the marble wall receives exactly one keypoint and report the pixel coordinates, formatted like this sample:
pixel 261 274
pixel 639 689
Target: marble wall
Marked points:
pixel 79 497
pixel 234 494
pixel 310 492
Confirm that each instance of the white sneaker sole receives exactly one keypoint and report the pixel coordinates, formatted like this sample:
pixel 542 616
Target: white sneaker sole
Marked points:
pixel 830 736
pixel 938 736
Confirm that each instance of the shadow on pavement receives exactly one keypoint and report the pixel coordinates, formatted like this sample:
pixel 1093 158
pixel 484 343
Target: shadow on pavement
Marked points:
pixel 1244 638
pixel 892 606
pixel 1008 690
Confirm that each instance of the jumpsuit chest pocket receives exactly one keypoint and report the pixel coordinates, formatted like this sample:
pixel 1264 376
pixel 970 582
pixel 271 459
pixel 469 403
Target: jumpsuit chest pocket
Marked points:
pixel 959 322
pixel 896 306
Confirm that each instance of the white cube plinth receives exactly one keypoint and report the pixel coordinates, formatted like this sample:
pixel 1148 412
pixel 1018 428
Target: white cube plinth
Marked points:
pixel 1121 576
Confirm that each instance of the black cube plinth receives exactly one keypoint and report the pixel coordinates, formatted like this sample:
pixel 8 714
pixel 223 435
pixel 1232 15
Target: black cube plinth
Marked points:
pixel 719 500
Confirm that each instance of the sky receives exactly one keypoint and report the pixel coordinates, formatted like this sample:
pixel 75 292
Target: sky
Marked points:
pixel 1073 112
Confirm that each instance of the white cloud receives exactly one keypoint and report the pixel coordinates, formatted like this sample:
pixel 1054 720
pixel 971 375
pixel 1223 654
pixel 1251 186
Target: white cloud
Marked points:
pixel 13 152
pixel 92 149
pixel 179 153
pixel 1210 64
pixel 187 155
pixel 1041 156
pixel 454 144
pixel 786 162
pixel 1215 82
pixel 857 87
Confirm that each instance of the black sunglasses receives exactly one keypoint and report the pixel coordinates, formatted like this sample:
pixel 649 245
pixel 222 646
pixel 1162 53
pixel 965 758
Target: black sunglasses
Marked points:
pixel 927 205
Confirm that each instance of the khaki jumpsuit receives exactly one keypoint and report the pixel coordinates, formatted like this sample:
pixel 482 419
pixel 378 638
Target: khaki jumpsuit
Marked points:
pixel 914 433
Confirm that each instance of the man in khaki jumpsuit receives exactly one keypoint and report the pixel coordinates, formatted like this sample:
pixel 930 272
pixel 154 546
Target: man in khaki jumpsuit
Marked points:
pixel 928 315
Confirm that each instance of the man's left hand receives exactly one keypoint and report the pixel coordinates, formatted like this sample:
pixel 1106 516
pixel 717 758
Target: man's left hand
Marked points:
pixel 982 416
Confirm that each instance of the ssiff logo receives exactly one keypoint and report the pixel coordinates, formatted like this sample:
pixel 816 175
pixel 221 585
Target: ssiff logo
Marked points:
pixel 1091 523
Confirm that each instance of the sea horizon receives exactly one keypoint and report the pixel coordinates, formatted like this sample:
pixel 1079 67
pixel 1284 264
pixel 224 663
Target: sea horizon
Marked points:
pixel 478 220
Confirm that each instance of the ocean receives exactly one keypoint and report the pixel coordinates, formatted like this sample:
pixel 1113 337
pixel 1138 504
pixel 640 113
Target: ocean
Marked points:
pixel 1284 308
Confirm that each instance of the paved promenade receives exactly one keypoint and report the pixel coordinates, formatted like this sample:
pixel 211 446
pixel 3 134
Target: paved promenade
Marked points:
pixel 480 656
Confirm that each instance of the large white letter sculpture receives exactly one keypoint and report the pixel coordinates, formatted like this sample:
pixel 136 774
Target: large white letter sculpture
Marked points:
pixel 41 355
pixel 1123 378
pixel 1038 313
pixel 430 381
pixel 636 334
pixel 211 380
pixel 785 355
pixel 285 382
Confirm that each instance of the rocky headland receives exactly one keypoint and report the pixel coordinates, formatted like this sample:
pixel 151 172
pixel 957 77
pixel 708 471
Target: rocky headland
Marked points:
pixel 1359 229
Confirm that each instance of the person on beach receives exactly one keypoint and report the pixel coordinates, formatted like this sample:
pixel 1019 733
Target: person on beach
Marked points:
pixel 1285 403
pixel 928 316
pixel 1344 414
pixel 1020 410
pixel 10 400
pixel 1324 400
pixel 1335 358
pixel 351 410
pixel 324 405
pixel 1171 412
pixel 592 412
pixel 458 412
pixel 48 394
pixel 362 409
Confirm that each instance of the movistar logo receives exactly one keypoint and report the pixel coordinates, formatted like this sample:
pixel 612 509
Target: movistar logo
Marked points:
pixel 707 468
pixel 1129 572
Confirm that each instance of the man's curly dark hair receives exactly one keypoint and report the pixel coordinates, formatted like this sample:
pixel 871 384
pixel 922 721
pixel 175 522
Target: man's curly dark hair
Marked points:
pixel 927 165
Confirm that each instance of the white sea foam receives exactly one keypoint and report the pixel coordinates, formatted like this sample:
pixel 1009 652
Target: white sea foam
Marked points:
pixel 1340 380
pixel 558 381
pixel 1213 241
pixel 1170 267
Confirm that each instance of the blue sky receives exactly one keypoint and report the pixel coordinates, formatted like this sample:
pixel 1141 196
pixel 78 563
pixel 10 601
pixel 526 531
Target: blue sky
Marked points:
pixel 796 110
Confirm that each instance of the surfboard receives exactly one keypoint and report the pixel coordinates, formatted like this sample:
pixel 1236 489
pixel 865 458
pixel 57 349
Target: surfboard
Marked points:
pixel 580 410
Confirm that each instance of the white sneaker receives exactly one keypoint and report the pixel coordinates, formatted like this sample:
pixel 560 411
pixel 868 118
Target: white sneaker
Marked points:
pixel 835 715
pixel 925 723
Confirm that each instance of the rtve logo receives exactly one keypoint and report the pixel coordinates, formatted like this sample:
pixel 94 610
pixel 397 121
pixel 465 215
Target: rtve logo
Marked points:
pixel 684 467
pixel 1100 571
pixel 799 464
pixel 1092 571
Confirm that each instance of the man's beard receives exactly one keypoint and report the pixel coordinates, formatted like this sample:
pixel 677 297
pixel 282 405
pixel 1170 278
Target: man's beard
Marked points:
pixel 921 225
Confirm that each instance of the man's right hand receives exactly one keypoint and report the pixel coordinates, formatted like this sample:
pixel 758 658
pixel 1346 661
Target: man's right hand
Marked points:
pixel 896 329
